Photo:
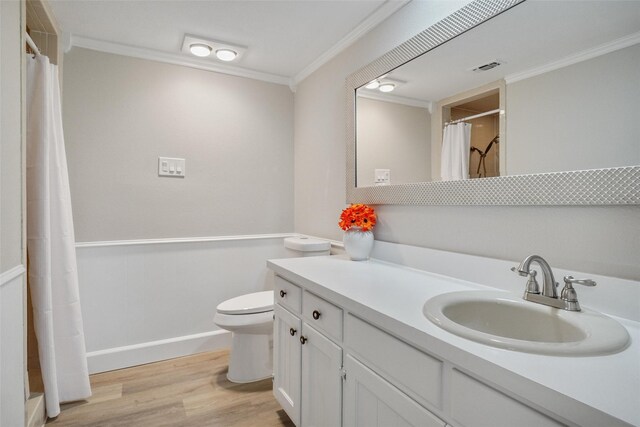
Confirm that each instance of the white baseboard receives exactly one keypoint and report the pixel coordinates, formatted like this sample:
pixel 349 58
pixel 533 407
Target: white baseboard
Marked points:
pixel 154 351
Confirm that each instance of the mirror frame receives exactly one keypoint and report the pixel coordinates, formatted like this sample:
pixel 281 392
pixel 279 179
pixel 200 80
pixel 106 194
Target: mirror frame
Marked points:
pixel 610 186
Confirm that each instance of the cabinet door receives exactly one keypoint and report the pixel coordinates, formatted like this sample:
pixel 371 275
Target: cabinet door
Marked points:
pixel 321 380
pixel 370 401
pixel 286 362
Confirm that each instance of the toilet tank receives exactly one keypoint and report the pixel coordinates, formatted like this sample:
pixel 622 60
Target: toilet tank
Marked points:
pixel 305 246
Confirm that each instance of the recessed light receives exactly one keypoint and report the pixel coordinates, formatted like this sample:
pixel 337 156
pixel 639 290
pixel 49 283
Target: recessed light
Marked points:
pixel 373 84
pixel 200 49
pixel 226 54
pixel 386 87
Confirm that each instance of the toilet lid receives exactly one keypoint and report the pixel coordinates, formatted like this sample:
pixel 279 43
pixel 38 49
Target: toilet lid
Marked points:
pixel 257 302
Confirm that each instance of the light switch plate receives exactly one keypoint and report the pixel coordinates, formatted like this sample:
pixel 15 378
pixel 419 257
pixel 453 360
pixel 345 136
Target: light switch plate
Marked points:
pixel 171 166
pixel 382 176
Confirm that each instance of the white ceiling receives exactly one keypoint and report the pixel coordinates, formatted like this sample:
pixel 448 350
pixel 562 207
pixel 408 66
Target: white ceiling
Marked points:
pixel 284 38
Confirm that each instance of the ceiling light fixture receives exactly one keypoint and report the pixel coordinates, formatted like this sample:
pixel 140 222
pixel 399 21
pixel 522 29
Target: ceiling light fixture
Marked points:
pixel 200 49
pixel 387 87
pixel 373 84
pixel 203 47
pixel 226 54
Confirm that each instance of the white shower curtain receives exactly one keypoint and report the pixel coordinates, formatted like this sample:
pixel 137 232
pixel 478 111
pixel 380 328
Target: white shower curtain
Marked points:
pixel 53 275
pixel 456 144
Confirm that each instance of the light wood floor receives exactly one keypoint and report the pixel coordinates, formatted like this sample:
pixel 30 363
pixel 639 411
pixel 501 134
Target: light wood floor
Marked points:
pixel 188 391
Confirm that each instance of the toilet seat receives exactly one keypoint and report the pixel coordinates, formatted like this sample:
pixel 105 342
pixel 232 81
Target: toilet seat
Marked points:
pixel 257 302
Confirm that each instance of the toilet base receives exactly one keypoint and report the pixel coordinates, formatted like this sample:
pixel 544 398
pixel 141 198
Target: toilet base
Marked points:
pixel 251 358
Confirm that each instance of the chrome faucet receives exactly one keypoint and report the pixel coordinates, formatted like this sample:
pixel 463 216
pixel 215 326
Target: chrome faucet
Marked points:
pixel 548 282
pixel 568 298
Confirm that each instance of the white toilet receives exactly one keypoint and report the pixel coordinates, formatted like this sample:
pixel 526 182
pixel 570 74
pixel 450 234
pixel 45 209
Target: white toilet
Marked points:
pixel 250 319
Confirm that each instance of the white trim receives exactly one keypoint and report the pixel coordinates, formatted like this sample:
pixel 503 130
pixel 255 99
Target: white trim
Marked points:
pixel 182 240
pixel 174 58
pixel 12 274
pixel 153 351
pixel 585 55
pixel 397 100
pixel 383 12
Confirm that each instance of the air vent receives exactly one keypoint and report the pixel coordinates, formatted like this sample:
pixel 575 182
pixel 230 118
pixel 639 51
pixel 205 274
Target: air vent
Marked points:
pixel 487 66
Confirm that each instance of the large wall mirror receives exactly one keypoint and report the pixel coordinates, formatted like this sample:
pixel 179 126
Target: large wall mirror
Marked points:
pixel 504 102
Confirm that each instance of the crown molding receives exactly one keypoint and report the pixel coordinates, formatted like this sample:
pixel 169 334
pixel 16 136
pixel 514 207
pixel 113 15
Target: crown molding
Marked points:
pixel 396 100
pixel 584 55
pixel 383 12
pixel 174 58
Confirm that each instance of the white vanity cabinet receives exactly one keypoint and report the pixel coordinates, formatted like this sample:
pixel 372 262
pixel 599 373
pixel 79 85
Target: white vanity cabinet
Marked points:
pixel 359 366
pixel 307 364
pixel 309 370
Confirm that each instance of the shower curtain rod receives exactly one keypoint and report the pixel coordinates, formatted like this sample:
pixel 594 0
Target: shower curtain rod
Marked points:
pixel 32 44
pixel 486 113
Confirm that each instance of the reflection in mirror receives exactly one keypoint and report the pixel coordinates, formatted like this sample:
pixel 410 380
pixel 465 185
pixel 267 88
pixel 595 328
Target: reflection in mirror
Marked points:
pixel 555 86
pixel 483 114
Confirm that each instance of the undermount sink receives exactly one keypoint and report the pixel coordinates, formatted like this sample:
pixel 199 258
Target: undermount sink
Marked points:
pixel 503 320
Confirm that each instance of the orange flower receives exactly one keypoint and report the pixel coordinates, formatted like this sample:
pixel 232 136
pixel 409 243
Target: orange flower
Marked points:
pixel 358 215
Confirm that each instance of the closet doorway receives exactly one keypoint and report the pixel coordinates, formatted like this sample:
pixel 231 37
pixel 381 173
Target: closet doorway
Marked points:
pixel 484 109
pixel 484 116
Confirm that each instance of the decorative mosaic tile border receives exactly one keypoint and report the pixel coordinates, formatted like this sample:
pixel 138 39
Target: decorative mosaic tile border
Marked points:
pixel 613 186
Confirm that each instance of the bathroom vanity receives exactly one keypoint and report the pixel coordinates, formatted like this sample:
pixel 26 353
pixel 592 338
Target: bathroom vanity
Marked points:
pixel 353 347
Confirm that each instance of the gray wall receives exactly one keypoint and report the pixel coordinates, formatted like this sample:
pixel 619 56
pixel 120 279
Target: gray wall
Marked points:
pixel 603 240
pixel 584 116
pixel 393 136
pixel 236 134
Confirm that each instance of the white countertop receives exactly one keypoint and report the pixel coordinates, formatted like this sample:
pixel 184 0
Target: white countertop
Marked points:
pixel 392 297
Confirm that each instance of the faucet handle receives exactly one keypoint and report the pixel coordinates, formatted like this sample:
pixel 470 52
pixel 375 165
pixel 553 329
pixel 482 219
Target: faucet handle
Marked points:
pixel 569 295
pixel 569 280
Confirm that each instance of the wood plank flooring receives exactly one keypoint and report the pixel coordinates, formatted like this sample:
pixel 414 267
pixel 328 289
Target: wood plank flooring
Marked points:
pixel 188 391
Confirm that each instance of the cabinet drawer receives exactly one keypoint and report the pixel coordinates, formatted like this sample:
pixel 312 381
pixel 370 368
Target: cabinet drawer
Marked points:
pixel 476 404
pixel 412 371
pixel 322 315
pixel 288 294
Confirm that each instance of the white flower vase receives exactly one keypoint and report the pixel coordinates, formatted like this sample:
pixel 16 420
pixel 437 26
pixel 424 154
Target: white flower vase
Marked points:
pixel 358 243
